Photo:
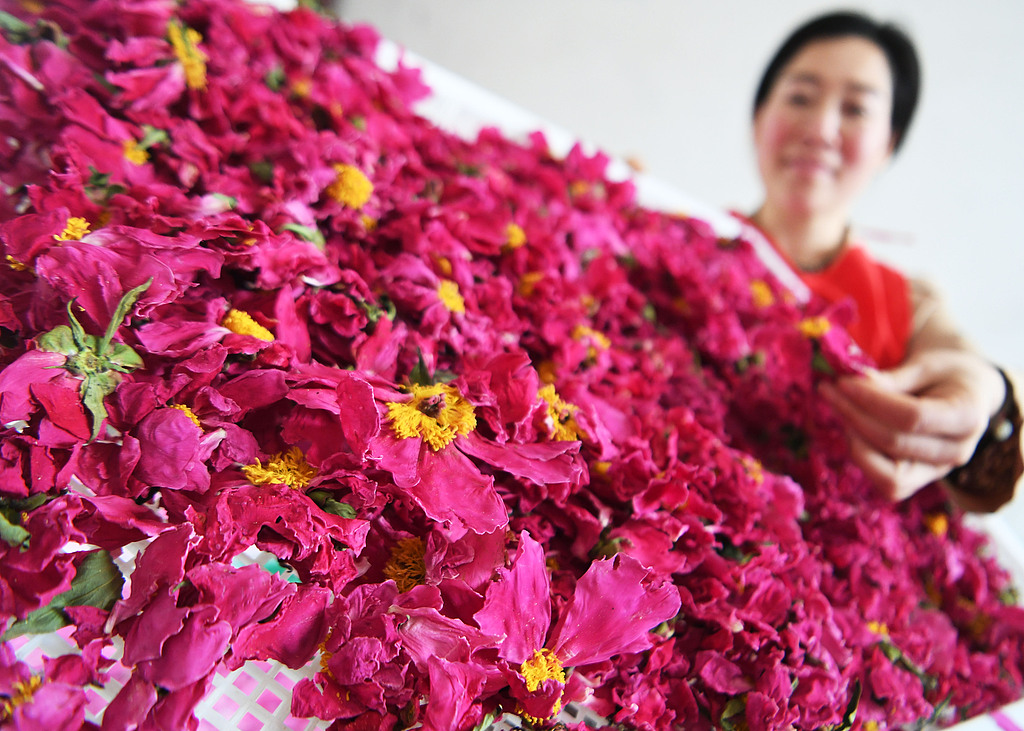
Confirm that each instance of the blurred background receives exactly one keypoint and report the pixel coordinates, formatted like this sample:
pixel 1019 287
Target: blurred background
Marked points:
pixel 669 83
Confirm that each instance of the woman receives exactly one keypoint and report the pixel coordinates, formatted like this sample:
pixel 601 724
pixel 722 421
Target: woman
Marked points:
pixel 832 108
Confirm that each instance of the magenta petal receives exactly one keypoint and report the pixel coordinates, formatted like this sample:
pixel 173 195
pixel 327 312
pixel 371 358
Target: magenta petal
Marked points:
pixel 721 675
pixel 427 633
pixel 130 706
pixel 612 610
pixel 518 603
pixel 192 654
pixel 452 490
pixel 292 635
pixel 545 463
pixel 453 689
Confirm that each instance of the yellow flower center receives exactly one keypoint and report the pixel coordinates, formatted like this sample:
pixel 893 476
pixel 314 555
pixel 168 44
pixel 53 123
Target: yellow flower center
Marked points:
pixel 351 187
pixel 598 340
pixel 514 236
pixel 528 283
pixel 879 628
pixel 241 323
pixel 761 293
pixel 870 726
pixel 561 416
pixel 133 153
pixel 444 265
pixel 302 87
pixel 289 468
pixel 543 666
pixel 185 42
pixel 15 264
pixel 814 327
pixel 435 413
pixel 188 412
pixel 406 566
pixel 74 229
pixel 448 292
pixel 23 692
pixel 369 222
pixel 754 468
pixel 937 523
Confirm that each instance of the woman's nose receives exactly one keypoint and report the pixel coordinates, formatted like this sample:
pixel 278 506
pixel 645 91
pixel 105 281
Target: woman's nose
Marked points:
pixel 821 123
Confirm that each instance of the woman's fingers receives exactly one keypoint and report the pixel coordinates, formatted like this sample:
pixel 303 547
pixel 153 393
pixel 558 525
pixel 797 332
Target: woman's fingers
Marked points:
pixel 887 435
pixel 894 479
pixel 945 409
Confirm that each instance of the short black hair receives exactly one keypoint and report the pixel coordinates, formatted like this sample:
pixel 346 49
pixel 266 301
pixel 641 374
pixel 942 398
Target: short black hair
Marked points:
pixel 894 43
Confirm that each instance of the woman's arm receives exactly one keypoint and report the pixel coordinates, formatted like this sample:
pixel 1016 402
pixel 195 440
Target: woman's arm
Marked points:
pixel 945 412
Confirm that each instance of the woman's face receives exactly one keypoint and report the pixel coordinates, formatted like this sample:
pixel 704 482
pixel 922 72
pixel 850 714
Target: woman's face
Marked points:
pixel 824 130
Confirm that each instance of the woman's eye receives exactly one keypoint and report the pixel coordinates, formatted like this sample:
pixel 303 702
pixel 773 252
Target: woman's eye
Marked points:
pixel 799 99
pixel 854 110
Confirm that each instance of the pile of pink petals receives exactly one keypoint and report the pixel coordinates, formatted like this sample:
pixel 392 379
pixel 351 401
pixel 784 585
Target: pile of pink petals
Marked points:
pixel 511 440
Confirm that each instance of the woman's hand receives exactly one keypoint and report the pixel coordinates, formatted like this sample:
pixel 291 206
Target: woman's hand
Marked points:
pixel 911 425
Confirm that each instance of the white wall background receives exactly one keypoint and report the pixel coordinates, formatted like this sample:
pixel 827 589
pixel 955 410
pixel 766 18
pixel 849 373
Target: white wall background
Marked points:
pixel 669 82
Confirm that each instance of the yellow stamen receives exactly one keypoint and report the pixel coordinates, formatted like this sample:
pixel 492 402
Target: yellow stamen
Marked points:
pixel 302 87
pixel 241 323
pixel 406 567
pixel 437 414
pixel 546 371
pixel 15 264
pixel 185 42
pixel 601 468
pixel 23 692
pixel 133 153
pixel 870 726
pixel 754 468
pixel 448 292
pixel 32 6
pixel 515 237
pixel 761 293
pixel 289 468
pixel 560 417
pixel 74 230
pixel 814 327
pixel 544 665
pixel 528 283
pixel 188 412
pixel 937 523
pixel 879 628
pixel 598 341
pixel 578 187
pixel 351 187
pixel 369 222
pixel 444 265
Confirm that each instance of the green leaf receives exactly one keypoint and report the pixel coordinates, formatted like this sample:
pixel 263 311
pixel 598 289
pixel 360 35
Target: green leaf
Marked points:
pixel 13 535
pixel 97 583
pixel 485 723
pixel 275 79
pixel 123 308
pixel 94 389
pixel 306 233
pixel 15 28
pixel 152 136
pixel 228 200
pixel 329 505
pixel 734 716
pixel 58 340
pixel 123 358
pixel 77 331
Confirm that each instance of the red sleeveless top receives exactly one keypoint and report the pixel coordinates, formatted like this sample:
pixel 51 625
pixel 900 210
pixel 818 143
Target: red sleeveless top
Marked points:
pixel 884 316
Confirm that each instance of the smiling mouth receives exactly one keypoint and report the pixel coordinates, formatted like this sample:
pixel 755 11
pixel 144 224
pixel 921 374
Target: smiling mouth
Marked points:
pixel 809 166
